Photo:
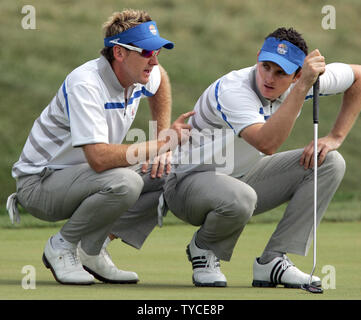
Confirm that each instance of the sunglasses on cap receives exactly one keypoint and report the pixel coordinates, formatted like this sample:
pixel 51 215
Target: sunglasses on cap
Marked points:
pixel 144 53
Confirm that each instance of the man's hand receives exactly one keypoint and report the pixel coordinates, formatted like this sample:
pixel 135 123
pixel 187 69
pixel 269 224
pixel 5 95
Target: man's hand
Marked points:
pixel 313 66
pixel 182 129
pixel 324 146
pixel 160 164
pixel 177 134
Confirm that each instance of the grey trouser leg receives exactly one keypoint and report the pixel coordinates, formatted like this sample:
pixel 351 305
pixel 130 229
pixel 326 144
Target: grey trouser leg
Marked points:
pixel 280 178
pixel 91 201
pixel 134 226
pixel 220 204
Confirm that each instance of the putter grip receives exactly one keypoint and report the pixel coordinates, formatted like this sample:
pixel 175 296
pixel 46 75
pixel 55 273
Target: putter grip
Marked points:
pixel 316 91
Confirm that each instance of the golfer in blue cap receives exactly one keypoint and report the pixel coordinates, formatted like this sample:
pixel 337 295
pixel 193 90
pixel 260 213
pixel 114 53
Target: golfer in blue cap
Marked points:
pixel 75 164
pixel 260 105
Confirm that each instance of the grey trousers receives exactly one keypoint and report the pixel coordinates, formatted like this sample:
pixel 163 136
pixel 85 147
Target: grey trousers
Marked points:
pixel 222 205
pixel 121 201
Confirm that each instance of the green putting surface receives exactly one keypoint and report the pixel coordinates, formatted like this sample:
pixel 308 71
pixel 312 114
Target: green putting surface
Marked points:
pixel 165 273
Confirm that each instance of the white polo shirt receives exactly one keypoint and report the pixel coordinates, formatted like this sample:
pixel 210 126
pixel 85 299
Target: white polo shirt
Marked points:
pixel 88 108
pixel 234 102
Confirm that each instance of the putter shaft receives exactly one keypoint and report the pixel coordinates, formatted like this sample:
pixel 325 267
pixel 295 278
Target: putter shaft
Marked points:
pixel 316 89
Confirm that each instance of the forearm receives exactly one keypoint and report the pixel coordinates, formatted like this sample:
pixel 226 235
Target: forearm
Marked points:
pixel 350 108
pixel 103 156
pixel 161 103
pixel 268 137
pixel 280 124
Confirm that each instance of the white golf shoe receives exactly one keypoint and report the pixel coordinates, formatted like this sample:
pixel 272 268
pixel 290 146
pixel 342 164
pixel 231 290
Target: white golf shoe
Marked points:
pixel 206 267
pixel 103 268
pixel 280 271
pixel 65 265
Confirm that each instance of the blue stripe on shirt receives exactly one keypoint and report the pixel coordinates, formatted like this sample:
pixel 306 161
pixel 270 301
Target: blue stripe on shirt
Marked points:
pixel 219 108
pixel 136 95
pixel 320 94
pixel 66 98
pixel 114 105
pixel 146 92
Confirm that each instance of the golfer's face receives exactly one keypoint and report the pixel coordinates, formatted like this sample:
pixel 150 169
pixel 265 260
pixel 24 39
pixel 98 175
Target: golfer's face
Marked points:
pixel 138 67
pixel 271 79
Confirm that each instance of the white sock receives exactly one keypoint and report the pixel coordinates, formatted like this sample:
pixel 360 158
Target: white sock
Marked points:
pixel 106 242
pixel 268 256
pixel 58 242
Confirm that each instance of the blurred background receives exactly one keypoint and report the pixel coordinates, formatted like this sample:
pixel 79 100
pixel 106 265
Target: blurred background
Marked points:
pixel 211 38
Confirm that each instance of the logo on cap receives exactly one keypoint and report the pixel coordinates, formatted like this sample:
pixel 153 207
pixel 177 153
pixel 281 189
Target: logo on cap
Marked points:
pixel 282 48
pixel 152 29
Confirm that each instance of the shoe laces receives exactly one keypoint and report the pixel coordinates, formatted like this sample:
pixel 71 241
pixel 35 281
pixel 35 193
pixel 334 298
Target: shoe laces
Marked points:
pixel 72 257
pixel 212 261
pixel 286 263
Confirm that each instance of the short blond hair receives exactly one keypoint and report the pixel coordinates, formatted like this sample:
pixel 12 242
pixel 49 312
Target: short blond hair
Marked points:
pixel 119 22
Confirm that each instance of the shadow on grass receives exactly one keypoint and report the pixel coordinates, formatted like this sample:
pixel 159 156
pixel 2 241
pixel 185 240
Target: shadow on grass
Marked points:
pixel 17 282
pixel 140 285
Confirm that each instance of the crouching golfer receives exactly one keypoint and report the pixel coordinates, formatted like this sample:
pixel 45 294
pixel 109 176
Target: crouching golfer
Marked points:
pixel 260 104
pixel 75 166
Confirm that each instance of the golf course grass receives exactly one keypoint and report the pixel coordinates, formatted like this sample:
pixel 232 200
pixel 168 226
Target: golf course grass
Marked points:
pixel 165 273
pixel 212 38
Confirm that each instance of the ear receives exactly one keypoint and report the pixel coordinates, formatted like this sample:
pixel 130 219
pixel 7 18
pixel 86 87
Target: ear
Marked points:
pixel 259 51
pixel 297 76
pixel 119 53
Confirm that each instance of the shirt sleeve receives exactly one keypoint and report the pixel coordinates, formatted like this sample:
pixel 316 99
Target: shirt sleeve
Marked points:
pixel 337 78
pixel 240 109
pixel 88 124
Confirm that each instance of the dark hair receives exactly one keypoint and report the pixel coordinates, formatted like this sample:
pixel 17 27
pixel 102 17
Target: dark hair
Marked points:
pixel 290 35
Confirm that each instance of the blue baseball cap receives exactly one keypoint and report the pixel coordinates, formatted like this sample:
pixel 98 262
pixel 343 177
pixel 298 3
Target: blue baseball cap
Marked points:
pixel 288 56
pixel 144 35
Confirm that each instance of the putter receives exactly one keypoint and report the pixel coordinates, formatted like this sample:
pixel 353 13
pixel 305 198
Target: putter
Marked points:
pixel 316 88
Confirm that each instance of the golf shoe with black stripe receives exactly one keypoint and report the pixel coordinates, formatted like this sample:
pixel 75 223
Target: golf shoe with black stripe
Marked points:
pixel 280 271
pixel 206 267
